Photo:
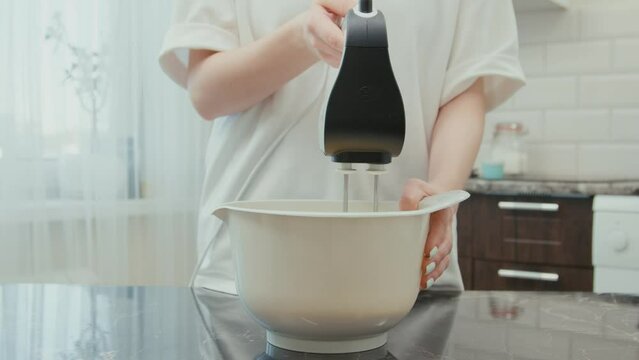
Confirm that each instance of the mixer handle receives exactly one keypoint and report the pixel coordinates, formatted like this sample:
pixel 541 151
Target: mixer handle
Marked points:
pixel 366 6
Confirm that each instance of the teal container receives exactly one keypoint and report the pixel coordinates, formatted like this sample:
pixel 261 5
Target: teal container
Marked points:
pixel 492 170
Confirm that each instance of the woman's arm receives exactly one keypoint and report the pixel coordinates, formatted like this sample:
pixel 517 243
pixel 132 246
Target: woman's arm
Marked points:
pixel 226 82
pixel 456 138
pixel 455 141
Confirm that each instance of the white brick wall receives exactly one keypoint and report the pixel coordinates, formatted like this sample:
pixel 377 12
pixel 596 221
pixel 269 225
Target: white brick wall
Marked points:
pixel 553 160
pixel 581 105
pixel 626 54
pixel 625 125
pixel 609 90
pixel 545 26
pixel 606 160
pixel 543 93
pixel 576 125
pixel 579 57
pixel 533 59
pixel 609 20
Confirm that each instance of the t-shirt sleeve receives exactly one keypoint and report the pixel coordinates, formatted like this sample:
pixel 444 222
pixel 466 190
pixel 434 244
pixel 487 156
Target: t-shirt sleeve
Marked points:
pixel 485 46
pixel 197 24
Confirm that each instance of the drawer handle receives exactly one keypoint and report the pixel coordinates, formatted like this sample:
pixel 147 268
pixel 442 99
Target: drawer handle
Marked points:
pixel 528 206
pixel 528 275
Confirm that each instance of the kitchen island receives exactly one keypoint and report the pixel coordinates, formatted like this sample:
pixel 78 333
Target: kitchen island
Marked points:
pixel 64 322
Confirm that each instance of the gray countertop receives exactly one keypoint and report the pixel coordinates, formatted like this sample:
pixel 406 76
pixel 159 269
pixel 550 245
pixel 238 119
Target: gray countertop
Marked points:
pixel 83 322
pixel 552 187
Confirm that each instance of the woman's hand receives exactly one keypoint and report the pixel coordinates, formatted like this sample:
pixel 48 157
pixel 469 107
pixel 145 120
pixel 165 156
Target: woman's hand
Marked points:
pixel 227 82
pixel 321 29
pixel 439 241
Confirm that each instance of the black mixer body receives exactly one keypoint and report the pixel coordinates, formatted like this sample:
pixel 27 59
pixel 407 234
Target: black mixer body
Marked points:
pixel 364 116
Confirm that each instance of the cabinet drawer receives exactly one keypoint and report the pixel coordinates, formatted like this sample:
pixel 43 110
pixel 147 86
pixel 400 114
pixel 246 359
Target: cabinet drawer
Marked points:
pixel 535 230
pixel 492 275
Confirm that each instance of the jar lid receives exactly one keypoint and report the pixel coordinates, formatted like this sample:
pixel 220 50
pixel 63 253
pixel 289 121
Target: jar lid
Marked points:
pixel 512 127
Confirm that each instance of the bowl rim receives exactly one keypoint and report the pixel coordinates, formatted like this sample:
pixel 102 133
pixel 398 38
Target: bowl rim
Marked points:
pixel 236 206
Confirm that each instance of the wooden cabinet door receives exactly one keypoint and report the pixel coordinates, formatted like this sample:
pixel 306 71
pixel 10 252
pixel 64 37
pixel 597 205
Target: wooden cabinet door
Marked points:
pixel 465 228
pixel 493 275
pixel 466 268
pixel 535 230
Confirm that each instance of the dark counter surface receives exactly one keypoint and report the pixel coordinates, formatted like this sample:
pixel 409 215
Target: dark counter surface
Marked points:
pixel 540 186
pixel 83 322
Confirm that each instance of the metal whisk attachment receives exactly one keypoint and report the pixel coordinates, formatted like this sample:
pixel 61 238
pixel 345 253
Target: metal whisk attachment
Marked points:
pixel 347 169
pixel 376 171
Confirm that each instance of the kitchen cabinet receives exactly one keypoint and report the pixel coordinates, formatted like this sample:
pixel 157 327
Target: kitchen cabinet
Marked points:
pixel 519 242
pixel 496 275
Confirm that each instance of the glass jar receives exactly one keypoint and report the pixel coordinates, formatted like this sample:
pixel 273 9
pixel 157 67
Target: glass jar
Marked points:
pixel 508 147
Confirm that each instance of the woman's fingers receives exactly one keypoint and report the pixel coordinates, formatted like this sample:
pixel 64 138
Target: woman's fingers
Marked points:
pixel 438 247
pixel 437 254
pixel 443 249
pixel 412 195
pixel 323 35
pixel 439 230
pixel 415 190
pixel 439 269
pixel 322 27
pixel 338 7
pixel 330 58
pixel 326 53
pixel 439 242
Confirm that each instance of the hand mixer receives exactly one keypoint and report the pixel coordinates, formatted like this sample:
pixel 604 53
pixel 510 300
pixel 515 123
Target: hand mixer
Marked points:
pixel 364 120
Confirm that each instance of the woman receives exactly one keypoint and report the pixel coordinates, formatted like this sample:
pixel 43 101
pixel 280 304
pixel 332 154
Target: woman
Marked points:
pixel 263 70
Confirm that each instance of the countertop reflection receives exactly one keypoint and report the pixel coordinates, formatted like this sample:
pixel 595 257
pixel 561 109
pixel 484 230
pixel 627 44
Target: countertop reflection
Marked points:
pixel 82 322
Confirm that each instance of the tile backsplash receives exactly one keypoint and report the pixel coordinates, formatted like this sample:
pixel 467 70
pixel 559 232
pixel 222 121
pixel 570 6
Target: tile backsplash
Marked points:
pixel 581 104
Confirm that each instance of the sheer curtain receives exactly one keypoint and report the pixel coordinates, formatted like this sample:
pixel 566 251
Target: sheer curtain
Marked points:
pixel 100 155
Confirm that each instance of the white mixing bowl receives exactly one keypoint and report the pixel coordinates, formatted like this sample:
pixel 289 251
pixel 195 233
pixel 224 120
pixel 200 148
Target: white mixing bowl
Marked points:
pixel 324 281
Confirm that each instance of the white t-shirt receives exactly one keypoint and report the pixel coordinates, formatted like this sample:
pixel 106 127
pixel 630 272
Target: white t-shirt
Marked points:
pixel 438 48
